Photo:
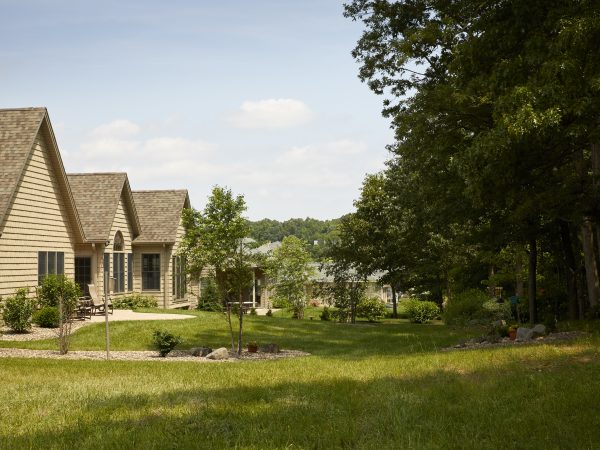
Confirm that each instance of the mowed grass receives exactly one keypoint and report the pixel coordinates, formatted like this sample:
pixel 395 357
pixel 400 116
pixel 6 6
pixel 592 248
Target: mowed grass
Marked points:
pixel 364 386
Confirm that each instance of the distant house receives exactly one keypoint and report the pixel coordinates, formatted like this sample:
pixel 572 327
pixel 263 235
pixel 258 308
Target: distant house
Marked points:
pixel 258 294
pixel 85 226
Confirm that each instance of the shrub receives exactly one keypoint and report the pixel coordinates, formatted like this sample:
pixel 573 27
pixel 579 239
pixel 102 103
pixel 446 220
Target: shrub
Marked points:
pixel 210 299
pixel 47 317
pixel 56 286
pixel 325 315
pixel 269 313
pixel 135 301
pixel 280 303
pixel 465 306
pixel 17 311
pixel 253 312
pixel 165 341
pixel 371 309
pixel 422 311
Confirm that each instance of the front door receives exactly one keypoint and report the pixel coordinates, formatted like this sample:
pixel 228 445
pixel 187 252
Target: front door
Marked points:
pixel 83 273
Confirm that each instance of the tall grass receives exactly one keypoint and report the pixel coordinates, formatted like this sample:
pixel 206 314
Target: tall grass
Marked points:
pixel 365 386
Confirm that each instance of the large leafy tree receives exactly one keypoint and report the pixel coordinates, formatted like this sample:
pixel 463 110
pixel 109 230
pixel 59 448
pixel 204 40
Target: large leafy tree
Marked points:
pixel 215 240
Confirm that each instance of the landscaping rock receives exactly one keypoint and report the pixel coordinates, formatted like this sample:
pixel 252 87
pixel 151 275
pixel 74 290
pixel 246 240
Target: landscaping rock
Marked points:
pixel 524 334
pixel 499 323
pixel 220 353
pixel 269 348
pixel 538 330
pixel 201 351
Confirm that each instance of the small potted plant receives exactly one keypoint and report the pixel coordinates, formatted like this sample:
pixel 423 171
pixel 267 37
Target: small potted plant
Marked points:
pixel 252 347
pixel 512 332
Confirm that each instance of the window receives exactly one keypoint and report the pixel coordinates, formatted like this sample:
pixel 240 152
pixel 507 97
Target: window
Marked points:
pixel 179 282
pixel 151 272
pixel 119 271
pixel 118 242
pixel 83 273
pixel 130 272
pixel 50 263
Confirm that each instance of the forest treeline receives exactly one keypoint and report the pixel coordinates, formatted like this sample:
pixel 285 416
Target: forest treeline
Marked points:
pixel 494 175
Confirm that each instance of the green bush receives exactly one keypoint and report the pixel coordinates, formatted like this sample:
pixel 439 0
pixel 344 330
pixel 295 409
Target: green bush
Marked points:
pixel 164 341
pixel 135 301
pixel 253 312
pixel 422 311
pixel 210 299
pixel 47 317
pixel 280 303
pixel 55 287
pixel 371 308
pixel 269 313
pixel 17 311
pixel 326 315
pixel 475 307
pixel 464 307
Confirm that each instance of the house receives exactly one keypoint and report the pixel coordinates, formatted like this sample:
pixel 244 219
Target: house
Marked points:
pixel 39 224
pixel 159 271
pixel 91 227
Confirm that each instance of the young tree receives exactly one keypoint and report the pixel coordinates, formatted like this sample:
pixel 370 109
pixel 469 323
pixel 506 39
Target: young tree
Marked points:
pixel 215 240
pixel 289 270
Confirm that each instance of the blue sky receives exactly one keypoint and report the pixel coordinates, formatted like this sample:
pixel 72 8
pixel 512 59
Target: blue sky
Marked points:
pixel 260 96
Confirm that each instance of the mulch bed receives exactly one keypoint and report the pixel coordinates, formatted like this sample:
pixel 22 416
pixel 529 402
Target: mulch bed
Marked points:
pixel 506 342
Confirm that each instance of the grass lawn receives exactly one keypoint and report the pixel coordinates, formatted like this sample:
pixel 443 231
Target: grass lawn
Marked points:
pixel 365 386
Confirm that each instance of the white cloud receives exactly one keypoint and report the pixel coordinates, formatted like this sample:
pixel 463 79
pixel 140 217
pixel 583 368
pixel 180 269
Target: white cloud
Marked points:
pixel 117 128
pixel 271 113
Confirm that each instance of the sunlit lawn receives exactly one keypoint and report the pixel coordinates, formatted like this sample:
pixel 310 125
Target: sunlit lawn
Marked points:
pixel 365 386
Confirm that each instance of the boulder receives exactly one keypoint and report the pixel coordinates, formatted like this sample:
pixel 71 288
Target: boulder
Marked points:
pixel 538 330
pixel 200 351
pixel 220 353
pixel 524 334
pixel 499 323
pixel 269 348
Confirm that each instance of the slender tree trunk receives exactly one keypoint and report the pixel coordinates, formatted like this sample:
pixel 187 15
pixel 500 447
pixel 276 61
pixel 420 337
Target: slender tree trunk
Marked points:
pixel 228 314
pixel 571 268
pixel 394 302
pixel 241 318
pixel 591 268
pixel 532 285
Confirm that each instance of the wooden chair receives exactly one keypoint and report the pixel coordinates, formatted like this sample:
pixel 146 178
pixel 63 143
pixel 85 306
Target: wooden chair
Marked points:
pixel 98 302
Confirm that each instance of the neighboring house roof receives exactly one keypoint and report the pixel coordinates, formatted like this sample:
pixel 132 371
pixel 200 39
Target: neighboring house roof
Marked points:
pixel 160 214
pixel 18 129
pixel 97 198
pixel 267 248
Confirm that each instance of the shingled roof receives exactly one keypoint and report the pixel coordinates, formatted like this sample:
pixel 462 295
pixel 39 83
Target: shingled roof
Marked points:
pixel 97 198
pixel 18 129
pixel 160 213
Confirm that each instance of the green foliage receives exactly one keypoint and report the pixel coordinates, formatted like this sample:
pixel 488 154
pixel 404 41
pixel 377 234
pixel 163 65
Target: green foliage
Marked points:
pixel 253 312
pixel 135 301
pixel 17 311
pixel 325 314
pixel 210 297
pixel 165 341
pixel 420 311
pixel 475 307
pixel 269 313
pixel 371 308
pixel 280 303
pixel 46 317
pixel 308 230
pixel 289 270
pixel 56 286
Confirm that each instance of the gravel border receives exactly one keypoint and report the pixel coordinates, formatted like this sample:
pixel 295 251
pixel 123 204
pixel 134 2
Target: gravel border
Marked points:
pixel 36 333
pixel 507 342
pixel 176 355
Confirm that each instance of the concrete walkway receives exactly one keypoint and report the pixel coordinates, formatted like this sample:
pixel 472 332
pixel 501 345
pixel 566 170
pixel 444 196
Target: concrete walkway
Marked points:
pixel 127 314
